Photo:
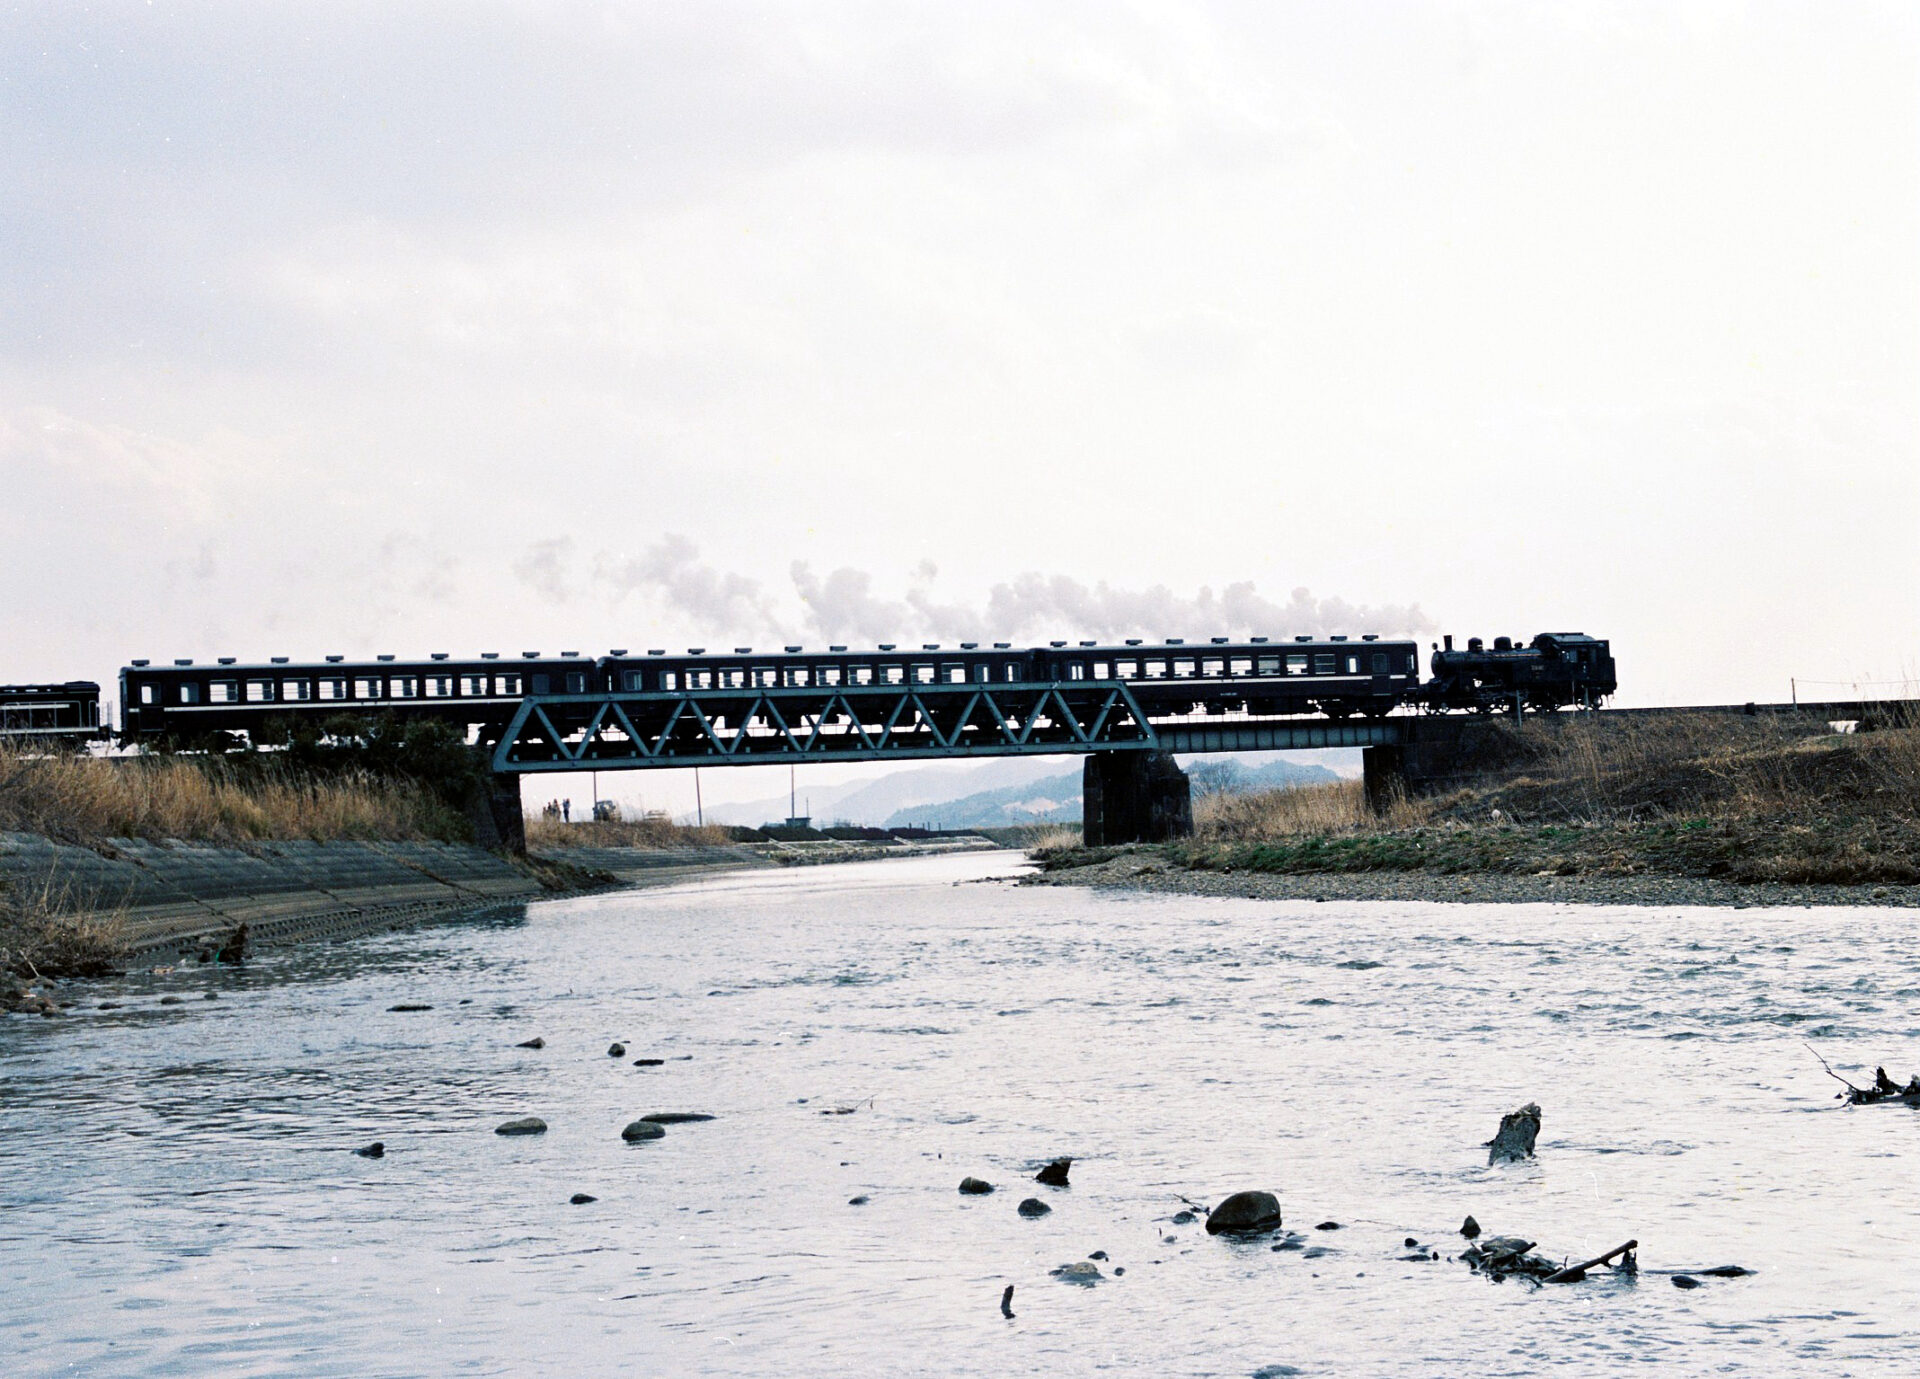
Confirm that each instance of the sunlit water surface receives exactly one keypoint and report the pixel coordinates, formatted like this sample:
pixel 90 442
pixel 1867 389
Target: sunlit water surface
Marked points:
pixel 178 1195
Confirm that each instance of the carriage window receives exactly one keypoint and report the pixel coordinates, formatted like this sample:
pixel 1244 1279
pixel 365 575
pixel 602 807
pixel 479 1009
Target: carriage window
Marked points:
pixel 953 674
pixel 1126 670
pixel 922 673
pixel 224 692
pixel 1324 663
pixel 1076 670
pixel 632 681
pixel 893 675
pixel 1353 665
pixel 1102 671
pixel 699 678
pixel 1413 663
pixel 333 689
pixel 439 686
pixel 1154 670
pixel 1213 666
pixel 146 694
pixel 189 694
pixel 765 676
pixel 1183 669
pixel 296 689
pixel 982 673
pixel 506 684
pixel 1269 665
pixel 1011 672
pixel 669 679
pixel 259 691
pixel 1240 665
pixel 473 684
pixel 1297 664
pixel 799 675
pixel 863 675
pixel 366 689
pixel 830 675
pixel 1379 663
pixel 403 687
pixel 733 678
pixel 576 682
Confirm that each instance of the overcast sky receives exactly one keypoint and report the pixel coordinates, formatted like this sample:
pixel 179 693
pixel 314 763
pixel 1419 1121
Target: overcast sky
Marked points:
pixel 512 326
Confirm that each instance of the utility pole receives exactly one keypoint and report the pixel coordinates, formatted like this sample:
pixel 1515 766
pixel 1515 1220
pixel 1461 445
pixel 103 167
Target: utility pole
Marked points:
pixel 699 809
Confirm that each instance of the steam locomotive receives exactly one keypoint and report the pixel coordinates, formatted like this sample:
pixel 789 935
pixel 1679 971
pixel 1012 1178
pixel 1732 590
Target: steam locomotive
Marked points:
pixel 1333 676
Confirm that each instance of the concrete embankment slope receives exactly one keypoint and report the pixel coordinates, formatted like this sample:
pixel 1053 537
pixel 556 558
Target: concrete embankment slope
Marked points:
pixel 179 896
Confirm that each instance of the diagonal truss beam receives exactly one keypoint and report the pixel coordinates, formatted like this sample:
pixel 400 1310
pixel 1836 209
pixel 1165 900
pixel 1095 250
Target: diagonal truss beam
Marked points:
pixel 614 732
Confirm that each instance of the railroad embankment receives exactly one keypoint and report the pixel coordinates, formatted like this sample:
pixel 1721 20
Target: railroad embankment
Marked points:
pixel 1700 810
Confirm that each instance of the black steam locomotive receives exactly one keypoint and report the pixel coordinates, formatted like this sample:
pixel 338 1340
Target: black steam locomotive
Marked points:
pixel 1555 670
pixel 1332 676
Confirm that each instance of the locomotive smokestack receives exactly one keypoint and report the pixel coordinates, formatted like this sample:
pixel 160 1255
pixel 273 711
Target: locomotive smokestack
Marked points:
pixel 1448 639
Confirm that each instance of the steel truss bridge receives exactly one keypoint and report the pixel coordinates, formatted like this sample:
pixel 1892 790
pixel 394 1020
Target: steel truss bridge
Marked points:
pixel 625 732
pixel 608 732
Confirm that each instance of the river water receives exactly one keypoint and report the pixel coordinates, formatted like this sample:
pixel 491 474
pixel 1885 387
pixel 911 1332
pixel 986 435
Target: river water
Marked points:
pixel 178 1195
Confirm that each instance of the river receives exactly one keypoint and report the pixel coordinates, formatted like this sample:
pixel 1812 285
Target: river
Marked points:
pixel 178 1194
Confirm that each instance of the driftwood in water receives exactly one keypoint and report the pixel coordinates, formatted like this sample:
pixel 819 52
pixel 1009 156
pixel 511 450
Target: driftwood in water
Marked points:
pixel 1884 1088
pixel 1510 1256
pixel 1518 1130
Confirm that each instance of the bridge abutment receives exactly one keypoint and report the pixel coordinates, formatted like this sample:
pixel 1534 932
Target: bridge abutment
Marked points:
pixel 1134 797
pixel 494 813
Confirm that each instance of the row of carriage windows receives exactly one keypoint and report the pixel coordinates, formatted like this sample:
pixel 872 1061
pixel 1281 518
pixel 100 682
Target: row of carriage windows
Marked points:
pixel 480 686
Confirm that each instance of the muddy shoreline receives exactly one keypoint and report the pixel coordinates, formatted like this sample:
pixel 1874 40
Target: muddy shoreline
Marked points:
pixel 1146 870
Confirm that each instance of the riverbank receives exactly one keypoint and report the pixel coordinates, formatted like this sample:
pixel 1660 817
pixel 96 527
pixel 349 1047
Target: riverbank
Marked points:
pixel 1701 811
pixel 1161 869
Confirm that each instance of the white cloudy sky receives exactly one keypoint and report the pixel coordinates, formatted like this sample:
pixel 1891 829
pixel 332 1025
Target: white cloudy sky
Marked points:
pixel 409 327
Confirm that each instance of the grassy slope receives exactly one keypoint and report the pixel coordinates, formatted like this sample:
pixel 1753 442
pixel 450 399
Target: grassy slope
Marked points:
pixel 1732 798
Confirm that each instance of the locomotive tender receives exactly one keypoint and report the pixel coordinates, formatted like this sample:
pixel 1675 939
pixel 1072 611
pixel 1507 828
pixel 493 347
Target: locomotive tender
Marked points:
pixel 1333 676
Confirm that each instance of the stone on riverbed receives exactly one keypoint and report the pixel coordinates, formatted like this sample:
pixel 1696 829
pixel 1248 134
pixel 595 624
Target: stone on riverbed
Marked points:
pixel 648 1062
pixel 643 1130
pixel 534 1043
pixel 677 1117
pixel 411 1005
pixel 526 1125
pixel 1518 1130
pixel 616 1050
pixel 1085 1273
pixel 580 1199
pixel 975 1187
pixel 1245 1213
pixel 1054 1174
pixel 1033 1207
pixel 376 1150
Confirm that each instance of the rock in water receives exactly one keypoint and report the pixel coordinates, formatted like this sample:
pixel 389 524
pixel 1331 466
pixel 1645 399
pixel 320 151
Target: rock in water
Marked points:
pixel 1683 1281
pixel 648 1062
pixel 1033 1207
pixel 580 1199
pixel 1245 1213
pixel 616 1050
pixel 643 1130
pixel 1470 1228
pixel 534 1043
pixel 526 1125
pixel 975 1187
pixel 376 1150
pixel 1085 1273
pixel 859 1201
pixel 1054 1174
pixel 1518 1130
pixel 676 1117
pixel 410 1005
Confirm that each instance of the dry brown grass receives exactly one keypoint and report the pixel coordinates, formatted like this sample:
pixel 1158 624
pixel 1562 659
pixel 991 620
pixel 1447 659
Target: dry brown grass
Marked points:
pixel 1336 807
pixel 88 799
pixel 44 932
pixel 552 834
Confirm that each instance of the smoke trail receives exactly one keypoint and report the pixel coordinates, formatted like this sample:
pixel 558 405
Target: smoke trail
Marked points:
pixel 843 606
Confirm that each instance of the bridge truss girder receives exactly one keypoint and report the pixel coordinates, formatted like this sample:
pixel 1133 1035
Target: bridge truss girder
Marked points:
pixel 615 732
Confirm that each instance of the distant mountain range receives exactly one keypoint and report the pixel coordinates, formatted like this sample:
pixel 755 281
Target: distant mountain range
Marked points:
pixel 1016 790
pixel 1056 799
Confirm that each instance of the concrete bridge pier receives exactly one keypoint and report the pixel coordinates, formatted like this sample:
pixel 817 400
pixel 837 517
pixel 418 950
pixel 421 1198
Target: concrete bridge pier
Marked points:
pixel 1134 797
pixel 494 811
